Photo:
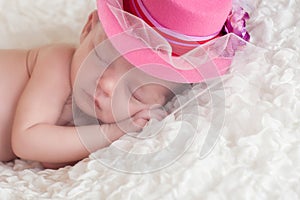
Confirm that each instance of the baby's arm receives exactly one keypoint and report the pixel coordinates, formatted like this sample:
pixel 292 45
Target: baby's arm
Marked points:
pixel 34 132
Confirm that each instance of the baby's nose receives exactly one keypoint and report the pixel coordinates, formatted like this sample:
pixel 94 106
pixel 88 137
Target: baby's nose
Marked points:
pixel 105 86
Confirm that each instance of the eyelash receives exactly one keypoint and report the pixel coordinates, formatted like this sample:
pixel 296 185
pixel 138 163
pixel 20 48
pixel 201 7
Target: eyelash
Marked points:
pixel 136 98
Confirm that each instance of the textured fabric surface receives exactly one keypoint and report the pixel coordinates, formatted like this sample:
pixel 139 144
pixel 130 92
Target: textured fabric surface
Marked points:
pixel 257 155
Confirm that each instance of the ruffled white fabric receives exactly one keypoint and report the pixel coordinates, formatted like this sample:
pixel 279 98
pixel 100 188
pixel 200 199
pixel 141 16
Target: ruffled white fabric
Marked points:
pixel 257 155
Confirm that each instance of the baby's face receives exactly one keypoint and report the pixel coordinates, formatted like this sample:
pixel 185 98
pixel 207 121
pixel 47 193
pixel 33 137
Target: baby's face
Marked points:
pixel 119 92
pixel 112 89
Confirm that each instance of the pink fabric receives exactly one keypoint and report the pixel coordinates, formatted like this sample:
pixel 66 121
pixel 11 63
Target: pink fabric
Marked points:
pixel 190 17
pixel 177 69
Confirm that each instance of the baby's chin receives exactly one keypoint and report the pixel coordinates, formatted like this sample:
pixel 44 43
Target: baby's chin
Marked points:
pixel 100 118
pixel 105 118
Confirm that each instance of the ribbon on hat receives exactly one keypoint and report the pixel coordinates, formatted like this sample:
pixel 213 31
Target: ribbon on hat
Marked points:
pixel 236 23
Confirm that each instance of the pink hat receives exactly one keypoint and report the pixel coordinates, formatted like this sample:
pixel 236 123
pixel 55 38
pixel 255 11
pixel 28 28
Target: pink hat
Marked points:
pixel 175 40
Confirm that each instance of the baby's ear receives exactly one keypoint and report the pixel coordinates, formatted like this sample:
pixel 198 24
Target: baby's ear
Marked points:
pixel 90 24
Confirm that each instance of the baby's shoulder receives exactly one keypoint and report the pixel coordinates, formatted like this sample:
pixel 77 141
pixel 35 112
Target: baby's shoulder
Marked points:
pixel 54 55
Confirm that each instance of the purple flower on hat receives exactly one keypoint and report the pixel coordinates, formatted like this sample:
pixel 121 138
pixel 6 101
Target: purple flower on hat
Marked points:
pixel 236 23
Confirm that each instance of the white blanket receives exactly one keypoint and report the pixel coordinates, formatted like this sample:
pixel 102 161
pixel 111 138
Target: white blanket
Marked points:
pixel 257 154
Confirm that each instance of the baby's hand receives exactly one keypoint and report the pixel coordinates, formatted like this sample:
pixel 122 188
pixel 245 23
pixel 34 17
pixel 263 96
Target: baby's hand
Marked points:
pixel 158 113
pixel 140 119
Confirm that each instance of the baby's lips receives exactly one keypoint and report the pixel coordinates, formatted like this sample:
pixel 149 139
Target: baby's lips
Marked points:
pixel 97 103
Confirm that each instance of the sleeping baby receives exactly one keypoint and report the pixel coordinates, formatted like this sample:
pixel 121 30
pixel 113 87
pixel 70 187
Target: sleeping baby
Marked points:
pixel 103 78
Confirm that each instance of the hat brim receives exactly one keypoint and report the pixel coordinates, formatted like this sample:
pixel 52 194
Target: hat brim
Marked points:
pixel 192 67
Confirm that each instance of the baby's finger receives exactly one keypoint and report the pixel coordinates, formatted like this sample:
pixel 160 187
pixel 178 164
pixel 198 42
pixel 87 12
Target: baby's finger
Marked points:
pixel 140 123
pixel 158 113
pixel 145 114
